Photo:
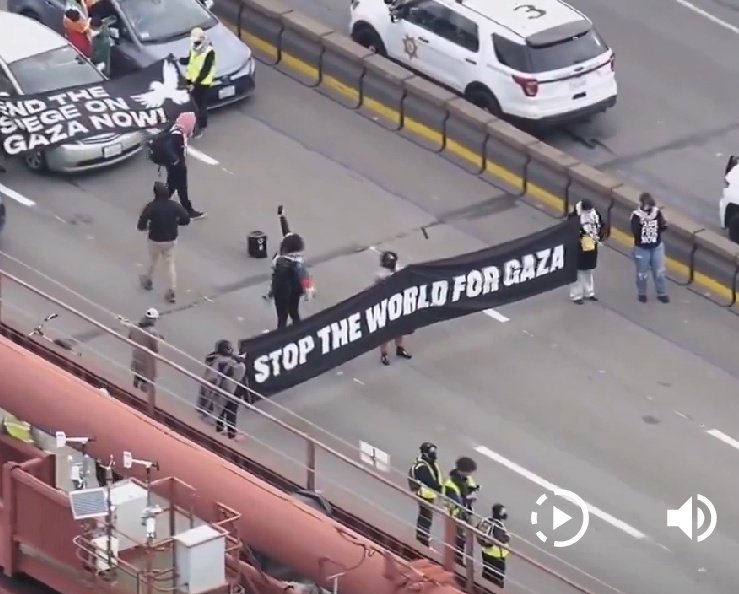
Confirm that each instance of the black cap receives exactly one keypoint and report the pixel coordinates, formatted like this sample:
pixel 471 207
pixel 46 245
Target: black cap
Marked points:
pixel 586 204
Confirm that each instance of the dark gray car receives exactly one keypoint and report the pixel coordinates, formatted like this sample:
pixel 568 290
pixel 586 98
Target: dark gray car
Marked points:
pixel 145 31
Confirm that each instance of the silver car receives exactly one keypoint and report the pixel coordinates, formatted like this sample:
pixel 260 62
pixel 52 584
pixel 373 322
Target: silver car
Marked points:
pixel 146 31
pixel 35 59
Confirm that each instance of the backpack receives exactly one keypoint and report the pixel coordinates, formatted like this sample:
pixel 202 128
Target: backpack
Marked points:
pixel 158 149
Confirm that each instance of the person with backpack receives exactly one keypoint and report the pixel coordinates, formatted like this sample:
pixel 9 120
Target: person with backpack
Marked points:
pixel 229 413
pixel 162 218
pixel 221 373
pixel 168 149
pixel 290 277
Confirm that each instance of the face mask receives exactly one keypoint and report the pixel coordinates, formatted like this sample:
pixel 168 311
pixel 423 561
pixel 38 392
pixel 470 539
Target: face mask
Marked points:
pixel 196 45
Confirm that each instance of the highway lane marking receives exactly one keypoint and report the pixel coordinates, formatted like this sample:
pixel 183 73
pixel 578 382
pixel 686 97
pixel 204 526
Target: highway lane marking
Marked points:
pixel 373 456
pixel 534 191
pixel 13 195
pixel 707 15
pixel 552 488
pixel 721 436
pixel 496 315
pixel 201 156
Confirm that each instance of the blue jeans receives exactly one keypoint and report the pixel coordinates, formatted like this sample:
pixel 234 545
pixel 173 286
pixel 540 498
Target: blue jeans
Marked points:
pixel 650 261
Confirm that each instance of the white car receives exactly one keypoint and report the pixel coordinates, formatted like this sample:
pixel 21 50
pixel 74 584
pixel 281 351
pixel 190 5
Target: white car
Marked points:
pixel 540 61
pixel 728 206
pixel 35 59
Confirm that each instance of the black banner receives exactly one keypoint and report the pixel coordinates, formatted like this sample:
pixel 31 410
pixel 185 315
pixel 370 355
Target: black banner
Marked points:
pixel 150 98
pixel 414 297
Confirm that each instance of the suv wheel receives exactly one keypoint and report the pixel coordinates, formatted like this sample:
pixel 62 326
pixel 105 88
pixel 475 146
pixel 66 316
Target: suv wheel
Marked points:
pixel 484 99
pixel 367 37
pixel 35 161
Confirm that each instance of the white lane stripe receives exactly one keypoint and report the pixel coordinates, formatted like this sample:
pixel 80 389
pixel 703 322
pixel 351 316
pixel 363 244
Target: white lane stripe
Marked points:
pixel 707 15
pixel 201 156
pixel 496 315
pixel 721 436
pixel 551 487
pixel 13 195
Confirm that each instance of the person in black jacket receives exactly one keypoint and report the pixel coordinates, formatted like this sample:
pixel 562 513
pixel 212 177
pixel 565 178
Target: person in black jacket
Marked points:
pixel 647 226
pixel 161 218
pixel 290 277
pixel 176 148
pixel 425 481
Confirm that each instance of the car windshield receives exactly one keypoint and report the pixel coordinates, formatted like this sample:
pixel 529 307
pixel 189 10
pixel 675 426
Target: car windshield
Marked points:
pixel 157 21
pixel 566 53
pixel 56 69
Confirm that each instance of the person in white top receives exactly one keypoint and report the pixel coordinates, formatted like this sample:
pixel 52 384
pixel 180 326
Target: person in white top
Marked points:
pixel 388 266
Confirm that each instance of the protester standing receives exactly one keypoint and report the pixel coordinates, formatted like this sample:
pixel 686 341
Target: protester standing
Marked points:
pixel 101 44
pixel 173 144
pixel 162 218
pixel 591 233
pixel 229 413
pixel 220 374
pixel 290 277
pixel 200 74
pixel 77 30
pixel 388 267
pixel 648 223
pixel 143 362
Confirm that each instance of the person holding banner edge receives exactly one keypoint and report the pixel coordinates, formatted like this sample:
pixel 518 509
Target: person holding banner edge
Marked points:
pixel 388 266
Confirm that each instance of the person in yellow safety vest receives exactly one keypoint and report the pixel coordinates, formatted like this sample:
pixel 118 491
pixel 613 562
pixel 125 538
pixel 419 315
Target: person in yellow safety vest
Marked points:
pixel 424 479
pixel 200 75
pixel 17 429
pixel 494 543
pixel 460 491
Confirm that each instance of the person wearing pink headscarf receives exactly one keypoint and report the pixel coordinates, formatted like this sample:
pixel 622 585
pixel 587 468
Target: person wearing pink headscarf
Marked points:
pixel 181 132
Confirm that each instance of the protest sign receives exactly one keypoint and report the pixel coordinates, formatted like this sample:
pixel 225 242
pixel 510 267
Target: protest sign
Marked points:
pixel 413 297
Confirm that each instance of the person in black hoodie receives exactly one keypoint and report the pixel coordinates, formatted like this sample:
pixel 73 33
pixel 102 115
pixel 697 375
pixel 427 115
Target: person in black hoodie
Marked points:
pixel 161 218
pixel 647 226
pixel 176 158
pixel 290 277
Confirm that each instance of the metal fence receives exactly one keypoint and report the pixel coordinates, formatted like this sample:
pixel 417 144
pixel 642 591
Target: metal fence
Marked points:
pixel 281 447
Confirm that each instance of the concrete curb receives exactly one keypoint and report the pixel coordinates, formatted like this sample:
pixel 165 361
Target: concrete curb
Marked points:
pixel 437 120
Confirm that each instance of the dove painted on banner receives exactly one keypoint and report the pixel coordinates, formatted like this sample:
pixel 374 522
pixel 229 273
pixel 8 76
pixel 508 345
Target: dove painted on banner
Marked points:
pixel 166 90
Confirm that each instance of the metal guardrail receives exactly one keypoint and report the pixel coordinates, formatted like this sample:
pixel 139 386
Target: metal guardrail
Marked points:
pixel 99 352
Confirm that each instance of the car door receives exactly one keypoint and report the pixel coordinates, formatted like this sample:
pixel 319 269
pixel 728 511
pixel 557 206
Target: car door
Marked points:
pixel 419 44
pixel 458 44
pixel 51 13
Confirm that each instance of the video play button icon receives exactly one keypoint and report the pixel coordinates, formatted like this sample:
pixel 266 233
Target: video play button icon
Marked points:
pixel 559 518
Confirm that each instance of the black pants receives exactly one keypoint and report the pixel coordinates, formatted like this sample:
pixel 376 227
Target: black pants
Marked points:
pixel 460 545
pixel 200 102
pixel 287 304
pixel 423 523
pixel 493 570
pixel 177 182
pixel 228 417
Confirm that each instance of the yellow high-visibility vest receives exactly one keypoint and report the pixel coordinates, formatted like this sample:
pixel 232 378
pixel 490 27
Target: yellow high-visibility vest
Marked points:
pixel 425 492
pixel 195 65
pixel 17 429
pixel 494 550
pixel 455 510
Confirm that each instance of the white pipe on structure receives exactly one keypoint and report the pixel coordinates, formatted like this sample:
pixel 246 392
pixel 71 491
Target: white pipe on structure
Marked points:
pixel 271 522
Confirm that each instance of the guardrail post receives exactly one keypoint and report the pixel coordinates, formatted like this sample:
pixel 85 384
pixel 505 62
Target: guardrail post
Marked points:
pixel 469 559
pixel 310 466
pixel 1 295
pixel 151 404
pixel 448 560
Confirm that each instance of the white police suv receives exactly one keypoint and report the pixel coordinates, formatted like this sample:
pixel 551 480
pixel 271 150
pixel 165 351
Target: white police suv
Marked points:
pixel 728 206
pixel 537 61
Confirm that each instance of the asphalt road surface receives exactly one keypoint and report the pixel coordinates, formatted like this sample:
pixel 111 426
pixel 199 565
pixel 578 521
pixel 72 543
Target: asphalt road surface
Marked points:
pixel 612 400
pixel 676 120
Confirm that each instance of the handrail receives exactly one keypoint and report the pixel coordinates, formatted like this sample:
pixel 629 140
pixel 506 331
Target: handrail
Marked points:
pixel 313 445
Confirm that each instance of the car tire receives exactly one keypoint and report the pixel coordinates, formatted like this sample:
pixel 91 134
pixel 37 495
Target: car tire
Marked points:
pixel 484 99
pixel 36 162
pixel 367 37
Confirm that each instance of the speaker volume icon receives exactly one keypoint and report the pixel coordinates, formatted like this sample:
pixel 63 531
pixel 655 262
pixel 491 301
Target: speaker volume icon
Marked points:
pixel 682 518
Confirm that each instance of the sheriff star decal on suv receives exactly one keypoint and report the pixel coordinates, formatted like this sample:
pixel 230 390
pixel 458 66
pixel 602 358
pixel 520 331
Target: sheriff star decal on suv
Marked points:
pixel 410 47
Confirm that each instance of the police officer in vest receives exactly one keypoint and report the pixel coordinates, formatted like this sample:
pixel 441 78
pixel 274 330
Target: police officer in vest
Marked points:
pixel 494 542
pixel 200 74
pixel 424 479
pixel 461 490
